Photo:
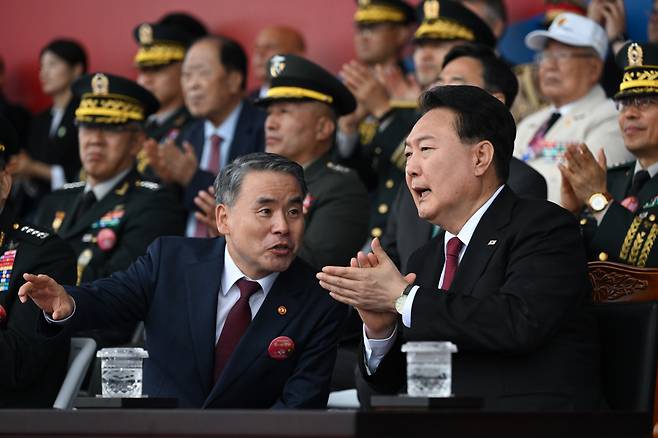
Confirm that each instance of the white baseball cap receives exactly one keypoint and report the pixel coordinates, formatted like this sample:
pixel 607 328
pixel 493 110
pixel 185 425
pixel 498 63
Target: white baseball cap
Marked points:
pixel 571 29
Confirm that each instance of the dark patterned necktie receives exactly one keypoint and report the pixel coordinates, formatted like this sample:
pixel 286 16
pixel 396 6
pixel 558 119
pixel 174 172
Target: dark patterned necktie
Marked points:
pixel 236 324
pixel 452 261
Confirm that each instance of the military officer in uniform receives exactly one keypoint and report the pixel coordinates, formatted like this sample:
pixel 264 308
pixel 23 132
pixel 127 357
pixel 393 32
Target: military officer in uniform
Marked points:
pixel 619 222
pixel 159 58
pixel 32 367
pixel 112 217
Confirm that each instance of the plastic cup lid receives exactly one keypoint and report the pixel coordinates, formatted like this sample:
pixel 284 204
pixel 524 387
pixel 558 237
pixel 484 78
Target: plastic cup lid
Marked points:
pixel 429 347
pixel 123 353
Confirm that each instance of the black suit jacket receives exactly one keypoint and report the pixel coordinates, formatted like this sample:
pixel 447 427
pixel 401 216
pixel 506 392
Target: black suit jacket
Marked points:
pixel 406 232
pixel 174 288
pixel 32 367
pixel 516 311
pixel 249 137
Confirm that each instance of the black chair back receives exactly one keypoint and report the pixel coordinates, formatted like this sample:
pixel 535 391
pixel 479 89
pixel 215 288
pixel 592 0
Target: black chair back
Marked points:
pixel 629 344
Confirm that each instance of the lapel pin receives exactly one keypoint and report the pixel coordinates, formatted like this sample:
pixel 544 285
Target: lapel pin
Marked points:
pixel 281 310
pixel 107 238
pixel 492 242
pixel 281 348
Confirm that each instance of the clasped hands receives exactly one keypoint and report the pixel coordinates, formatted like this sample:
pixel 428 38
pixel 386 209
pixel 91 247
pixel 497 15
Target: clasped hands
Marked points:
pixel 582 176
pixel 371 284
pixel 171 163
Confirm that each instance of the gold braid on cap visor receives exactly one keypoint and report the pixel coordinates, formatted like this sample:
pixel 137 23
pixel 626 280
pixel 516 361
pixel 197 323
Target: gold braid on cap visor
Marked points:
pixel 376 14
pixel 643 77
pixel 108 109
pixel 297 93
pixel 444 29
pixel 159 54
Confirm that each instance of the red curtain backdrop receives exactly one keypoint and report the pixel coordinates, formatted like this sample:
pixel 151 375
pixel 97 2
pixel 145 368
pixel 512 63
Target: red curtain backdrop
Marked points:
pixel 105 29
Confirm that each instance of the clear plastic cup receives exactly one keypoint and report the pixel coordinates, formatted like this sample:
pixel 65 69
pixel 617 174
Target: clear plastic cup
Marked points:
pixel 121 371
pixel 429 368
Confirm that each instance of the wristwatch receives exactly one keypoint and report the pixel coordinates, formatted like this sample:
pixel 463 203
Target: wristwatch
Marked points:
pixel 399 302
pixel 598 201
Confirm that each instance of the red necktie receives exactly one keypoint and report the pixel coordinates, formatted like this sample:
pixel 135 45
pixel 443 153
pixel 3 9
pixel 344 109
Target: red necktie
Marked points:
pixel 200 229
pixel 236 324
pixel 452 261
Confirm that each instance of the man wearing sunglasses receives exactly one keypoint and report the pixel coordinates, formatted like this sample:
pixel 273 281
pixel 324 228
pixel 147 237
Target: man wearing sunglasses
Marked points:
pixel 619 222
pixel 569 58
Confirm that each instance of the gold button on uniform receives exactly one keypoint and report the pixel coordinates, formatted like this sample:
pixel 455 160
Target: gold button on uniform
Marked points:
pixel 376 232
pixel 603 256
pixel 16 226
pixel 382 209
pixel 652 217
pixel 378 150
pixel 583 221
pixel 389 183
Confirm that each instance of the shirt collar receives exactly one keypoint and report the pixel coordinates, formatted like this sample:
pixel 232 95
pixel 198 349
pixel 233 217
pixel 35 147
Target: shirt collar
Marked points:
pixel 653 169
pixel 566 109
pixel 232 273
pixel 103 188
pixel 471 224
pixel 227 128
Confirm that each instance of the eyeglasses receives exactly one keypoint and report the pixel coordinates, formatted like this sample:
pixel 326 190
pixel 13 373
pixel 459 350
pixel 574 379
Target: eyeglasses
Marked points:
pixel 640 103
pixel 542 57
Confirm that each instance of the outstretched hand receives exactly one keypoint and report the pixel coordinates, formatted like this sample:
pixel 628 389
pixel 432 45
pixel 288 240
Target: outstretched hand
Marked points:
pixel 47 294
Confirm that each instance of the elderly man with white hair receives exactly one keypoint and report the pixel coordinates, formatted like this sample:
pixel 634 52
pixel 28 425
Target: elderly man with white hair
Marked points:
pixel 570 57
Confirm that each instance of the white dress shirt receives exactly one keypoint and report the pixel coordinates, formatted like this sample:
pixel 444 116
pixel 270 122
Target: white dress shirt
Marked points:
pixel 229 294
pixel 376 349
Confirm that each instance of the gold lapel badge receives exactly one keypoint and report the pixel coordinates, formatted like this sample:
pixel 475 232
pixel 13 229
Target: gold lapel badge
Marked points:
pixel 281 310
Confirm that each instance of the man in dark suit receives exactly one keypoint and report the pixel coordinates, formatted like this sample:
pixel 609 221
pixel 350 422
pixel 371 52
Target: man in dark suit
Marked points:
pixel 198 297
pixel 619 222
pixel 32 366
pixel 466 64
pixel 510 290
pixel 214 78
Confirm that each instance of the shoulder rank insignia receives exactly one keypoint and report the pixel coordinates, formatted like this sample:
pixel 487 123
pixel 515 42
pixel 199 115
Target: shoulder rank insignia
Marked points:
pixel 6 266
pixel 32 232
pixel 147 185
pixel 337 167
pixel 73 185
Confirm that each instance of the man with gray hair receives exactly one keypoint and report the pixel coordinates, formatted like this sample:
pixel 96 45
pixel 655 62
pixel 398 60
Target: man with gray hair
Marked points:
pixel 233 322
pixel 570 60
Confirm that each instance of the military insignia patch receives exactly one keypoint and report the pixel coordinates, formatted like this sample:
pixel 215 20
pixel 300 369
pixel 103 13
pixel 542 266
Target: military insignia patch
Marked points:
pixel 100 84
pixel 431 9
pixel 635 55
pixel 651 203
pixel 110 219
pixel 277 65
pixel 57 222
pixel 6 266
pixel 308 202
pixel 145 34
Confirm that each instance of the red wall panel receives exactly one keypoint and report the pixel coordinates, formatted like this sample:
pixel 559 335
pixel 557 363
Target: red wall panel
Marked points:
pixel 105 29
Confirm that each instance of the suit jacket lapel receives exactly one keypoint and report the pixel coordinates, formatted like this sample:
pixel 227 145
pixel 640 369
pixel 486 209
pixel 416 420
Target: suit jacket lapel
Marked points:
pixel 244 130
pixel 430 274
pixel 202 281
pixel 70 210
pixel 267 325
pixel 484 242
pixel 648 191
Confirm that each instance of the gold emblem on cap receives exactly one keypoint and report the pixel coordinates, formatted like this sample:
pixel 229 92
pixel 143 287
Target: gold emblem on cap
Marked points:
pixel 277 65
pixel 100 84
pixel 281 310
pixel 635 55
pixel 2 147
pixel 431 9
pixel 145 34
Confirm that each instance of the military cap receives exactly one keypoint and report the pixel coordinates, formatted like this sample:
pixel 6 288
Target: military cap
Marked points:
pixel 8 140
pixel 296 78
pixel 106 99
pixel 384 11
pixel 159 44
pixel 449 20
pixel 640 64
